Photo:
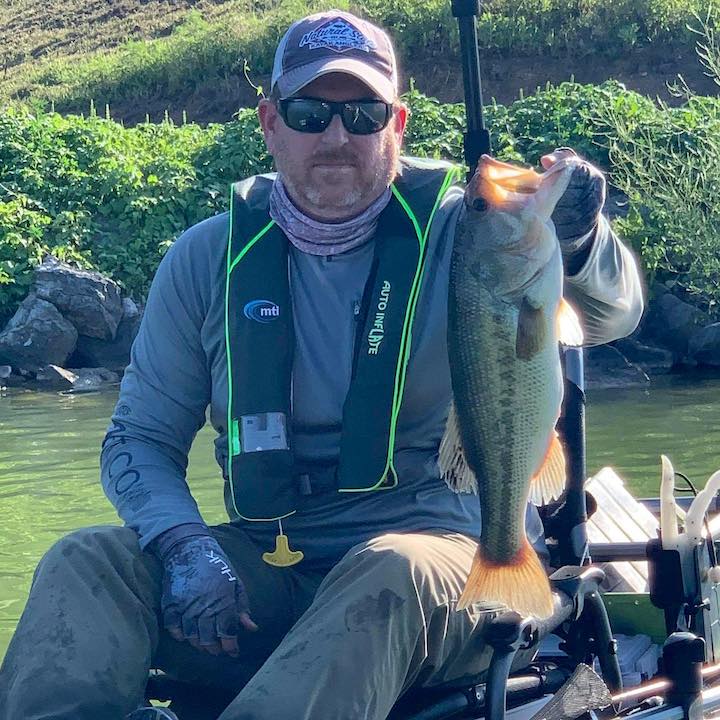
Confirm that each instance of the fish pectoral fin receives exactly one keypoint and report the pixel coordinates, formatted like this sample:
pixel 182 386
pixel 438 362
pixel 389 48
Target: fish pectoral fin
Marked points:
pixel 548 482
pixel 454 469
pixel 569 328
pixel 531 330
pixel 521 584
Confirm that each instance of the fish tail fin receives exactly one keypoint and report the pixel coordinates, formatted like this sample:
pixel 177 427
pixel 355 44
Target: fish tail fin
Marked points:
pixel 522 584
pixel 548 482
pixel 569 328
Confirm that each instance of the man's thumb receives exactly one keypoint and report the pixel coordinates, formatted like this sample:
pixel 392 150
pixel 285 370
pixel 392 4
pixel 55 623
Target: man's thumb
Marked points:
pixel 547 161
pixel 247 623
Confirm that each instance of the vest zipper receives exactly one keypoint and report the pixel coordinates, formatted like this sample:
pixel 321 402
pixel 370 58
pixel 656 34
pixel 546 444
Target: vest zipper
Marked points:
pixel 353 335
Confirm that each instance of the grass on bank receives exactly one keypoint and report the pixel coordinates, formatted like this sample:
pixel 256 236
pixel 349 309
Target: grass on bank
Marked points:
pixel 82 56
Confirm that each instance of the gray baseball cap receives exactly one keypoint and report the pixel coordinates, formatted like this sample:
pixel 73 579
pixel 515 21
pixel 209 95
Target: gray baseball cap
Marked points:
pixel 335 41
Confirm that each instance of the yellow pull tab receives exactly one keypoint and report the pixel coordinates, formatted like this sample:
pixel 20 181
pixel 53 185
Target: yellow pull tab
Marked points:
pixel 283 556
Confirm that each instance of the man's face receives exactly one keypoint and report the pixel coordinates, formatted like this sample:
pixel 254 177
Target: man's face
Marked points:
pixel 333 175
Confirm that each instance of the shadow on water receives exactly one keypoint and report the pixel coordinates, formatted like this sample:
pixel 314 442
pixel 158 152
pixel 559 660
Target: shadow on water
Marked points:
pixel 50 444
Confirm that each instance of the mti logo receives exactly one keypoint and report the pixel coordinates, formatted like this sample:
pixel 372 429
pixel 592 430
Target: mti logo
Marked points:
pixel 262 311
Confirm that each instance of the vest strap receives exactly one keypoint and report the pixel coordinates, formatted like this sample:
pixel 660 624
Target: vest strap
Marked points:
pixel 259 344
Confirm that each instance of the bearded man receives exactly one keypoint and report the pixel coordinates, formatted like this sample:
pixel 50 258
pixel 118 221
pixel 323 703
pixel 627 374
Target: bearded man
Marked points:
pixel 311 319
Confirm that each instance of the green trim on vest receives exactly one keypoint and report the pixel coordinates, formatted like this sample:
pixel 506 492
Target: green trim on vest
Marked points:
pixel 451 176
pixel 262 483
pixel 233 432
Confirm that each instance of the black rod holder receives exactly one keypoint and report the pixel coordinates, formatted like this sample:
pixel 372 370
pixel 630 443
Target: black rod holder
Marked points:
pixel 682 659
pixel 476 140
pixel 605 645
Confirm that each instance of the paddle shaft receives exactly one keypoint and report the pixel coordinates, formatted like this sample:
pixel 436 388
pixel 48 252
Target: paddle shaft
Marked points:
pixel 476 139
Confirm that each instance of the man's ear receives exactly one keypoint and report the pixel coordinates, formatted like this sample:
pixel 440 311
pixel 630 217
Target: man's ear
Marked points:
pixel 399 120
pixel 269 117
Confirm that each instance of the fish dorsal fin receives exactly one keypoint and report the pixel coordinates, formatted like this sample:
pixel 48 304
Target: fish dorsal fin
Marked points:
pixel 454 469
pixel 548 482
pixel 569 329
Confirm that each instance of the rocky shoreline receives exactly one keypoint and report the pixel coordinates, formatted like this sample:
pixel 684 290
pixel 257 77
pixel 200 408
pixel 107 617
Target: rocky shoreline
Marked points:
pixel 74 331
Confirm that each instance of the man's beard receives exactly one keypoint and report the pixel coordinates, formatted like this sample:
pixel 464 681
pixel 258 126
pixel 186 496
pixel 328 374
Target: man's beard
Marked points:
pixel 314 200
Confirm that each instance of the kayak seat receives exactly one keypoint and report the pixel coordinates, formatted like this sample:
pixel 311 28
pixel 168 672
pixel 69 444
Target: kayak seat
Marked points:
pixel 577 603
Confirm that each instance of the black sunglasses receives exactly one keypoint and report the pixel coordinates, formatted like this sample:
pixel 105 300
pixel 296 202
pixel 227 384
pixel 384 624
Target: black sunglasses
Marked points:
pixel 312 115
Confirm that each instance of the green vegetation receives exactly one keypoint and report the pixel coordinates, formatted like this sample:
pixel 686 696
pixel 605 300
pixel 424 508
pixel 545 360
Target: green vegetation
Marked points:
pixel 667 161
pixel 669 166
pixel 113 198
pixel 92 191
pixel 211 45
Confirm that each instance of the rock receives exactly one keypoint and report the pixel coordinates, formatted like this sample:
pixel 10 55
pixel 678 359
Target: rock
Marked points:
pixel 37 335
pixel 75 380
pixel 113 354
pixel 650 359
pixel 704 345
pixel 93 379
pixel 130 309
pixel 8 378
pixel 53 377
pixel 670 322
pixel 607 367
pixel 90 301
pixel 14 381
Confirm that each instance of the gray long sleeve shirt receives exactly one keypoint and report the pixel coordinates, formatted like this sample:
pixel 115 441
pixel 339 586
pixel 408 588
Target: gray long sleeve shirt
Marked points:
pixel 178 368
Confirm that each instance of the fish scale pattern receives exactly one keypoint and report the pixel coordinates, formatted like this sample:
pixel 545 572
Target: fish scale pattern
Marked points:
pixel 505 408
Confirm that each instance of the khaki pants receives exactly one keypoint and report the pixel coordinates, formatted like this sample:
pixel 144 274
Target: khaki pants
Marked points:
pixel 342 646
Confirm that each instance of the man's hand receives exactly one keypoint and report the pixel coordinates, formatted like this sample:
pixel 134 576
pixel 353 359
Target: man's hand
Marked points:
pixel 203 599
pixel 577 213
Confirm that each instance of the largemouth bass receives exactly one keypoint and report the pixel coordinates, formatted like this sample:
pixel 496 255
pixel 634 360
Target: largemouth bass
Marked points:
pixel 506 314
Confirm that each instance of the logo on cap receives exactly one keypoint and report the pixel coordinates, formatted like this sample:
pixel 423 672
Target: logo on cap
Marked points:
pixel 262 311
pixel 337 35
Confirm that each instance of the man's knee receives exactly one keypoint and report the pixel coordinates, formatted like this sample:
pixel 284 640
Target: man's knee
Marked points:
pixel 418 557
pixel 430 567
pixel 95 544
pixel 394 569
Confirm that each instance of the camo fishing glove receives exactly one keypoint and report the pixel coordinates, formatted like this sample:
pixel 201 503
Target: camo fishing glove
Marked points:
pixel 203 599
pixel 577 213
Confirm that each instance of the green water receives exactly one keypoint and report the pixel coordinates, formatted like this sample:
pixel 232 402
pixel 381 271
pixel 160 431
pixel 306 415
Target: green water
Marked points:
pixel 49 447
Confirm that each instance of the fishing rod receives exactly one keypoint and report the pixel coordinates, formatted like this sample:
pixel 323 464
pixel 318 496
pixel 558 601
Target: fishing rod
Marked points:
pixel 476 139
pixel 571 517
